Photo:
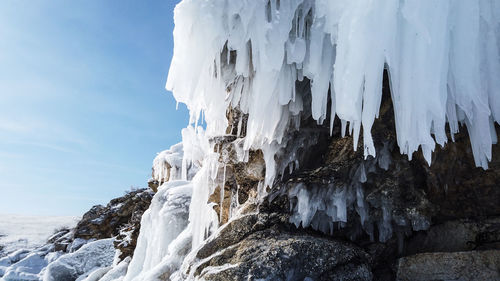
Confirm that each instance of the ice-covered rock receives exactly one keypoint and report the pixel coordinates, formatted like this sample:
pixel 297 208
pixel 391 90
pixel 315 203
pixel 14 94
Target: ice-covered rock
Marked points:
pixel 167 165
pixel 73 252
pixel 12 258
pixel 161 224
pixel 26 264
pixel 111 273
pixel 27 268
pixel 90 257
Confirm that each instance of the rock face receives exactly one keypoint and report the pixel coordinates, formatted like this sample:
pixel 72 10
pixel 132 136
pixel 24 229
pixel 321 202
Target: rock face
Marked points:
pixel 456 236
pixel 105 221
pixel 280 256
pixel 121 217
pixel 330 214
pixel 473 265
pixel 261 246
pixel 404 217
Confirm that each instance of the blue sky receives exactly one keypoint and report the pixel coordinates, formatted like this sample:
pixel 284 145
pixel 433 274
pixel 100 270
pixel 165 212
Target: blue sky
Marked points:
pixel 83 105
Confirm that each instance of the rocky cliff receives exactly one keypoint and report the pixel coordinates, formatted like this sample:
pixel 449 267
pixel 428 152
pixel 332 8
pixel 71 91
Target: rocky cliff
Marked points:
pixel 406 220
pixel 335 215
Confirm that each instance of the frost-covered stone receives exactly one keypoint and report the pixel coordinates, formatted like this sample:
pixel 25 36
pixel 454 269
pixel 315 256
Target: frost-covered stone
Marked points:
pixel 26 269
pixel 111 273
pixel 92 256
pixel 167 165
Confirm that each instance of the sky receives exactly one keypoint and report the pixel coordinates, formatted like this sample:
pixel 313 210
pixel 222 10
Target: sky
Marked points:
pixel 83 105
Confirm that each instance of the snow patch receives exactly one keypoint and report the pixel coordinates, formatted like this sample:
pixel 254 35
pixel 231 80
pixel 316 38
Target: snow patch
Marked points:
pixel 78 265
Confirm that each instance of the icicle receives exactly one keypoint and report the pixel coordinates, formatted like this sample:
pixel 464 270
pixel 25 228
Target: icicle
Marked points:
pixel 426 47
pixel 239 126
pixel 235 204
pixel 343 127
pixel 362 173
pixel 261 191
pixel 222 189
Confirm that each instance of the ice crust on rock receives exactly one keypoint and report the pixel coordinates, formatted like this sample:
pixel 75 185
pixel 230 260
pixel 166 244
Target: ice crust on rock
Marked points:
pixel 168 164
pixel 90 257
pixel 27 268
pixel 162 223
pixel 110 273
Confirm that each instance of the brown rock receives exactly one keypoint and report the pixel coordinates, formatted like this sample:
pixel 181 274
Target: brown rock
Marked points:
pixel 122 215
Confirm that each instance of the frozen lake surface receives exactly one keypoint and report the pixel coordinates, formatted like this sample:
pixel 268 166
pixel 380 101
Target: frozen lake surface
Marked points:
pixel 27 232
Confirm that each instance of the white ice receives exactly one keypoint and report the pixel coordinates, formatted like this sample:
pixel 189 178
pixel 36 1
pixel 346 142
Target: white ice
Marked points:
pixel 165 219
pixel 442 58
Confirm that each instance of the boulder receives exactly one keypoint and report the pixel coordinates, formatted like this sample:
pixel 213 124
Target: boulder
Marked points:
pixel 263 246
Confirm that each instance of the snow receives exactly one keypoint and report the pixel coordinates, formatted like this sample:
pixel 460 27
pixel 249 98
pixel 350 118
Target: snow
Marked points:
pixel 27 268
pixel 80 264
pixel 168 164
pixel 78 243
pixel 116 273
pixel 28 232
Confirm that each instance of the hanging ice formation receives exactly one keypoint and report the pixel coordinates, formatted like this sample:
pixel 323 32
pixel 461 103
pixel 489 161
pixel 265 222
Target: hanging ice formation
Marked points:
pixel 254 56
pixel 442 56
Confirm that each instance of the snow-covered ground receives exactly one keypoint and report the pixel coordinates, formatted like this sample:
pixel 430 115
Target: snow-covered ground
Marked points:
pixel 28 232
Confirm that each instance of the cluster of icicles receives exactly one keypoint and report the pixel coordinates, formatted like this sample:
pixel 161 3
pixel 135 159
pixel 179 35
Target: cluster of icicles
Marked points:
pixel 442 57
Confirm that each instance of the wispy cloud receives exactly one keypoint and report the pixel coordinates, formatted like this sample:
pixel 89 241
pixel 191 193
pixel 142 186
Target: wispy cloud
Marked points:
pixel 43 133
pixel 82 101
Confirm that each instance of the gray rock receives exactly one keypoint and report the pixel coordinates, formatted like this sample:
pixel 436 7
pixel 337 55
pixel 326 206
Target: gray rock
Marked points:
pixel 456 236
pixel 407 207
pixel 457 266
pixel 273 255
